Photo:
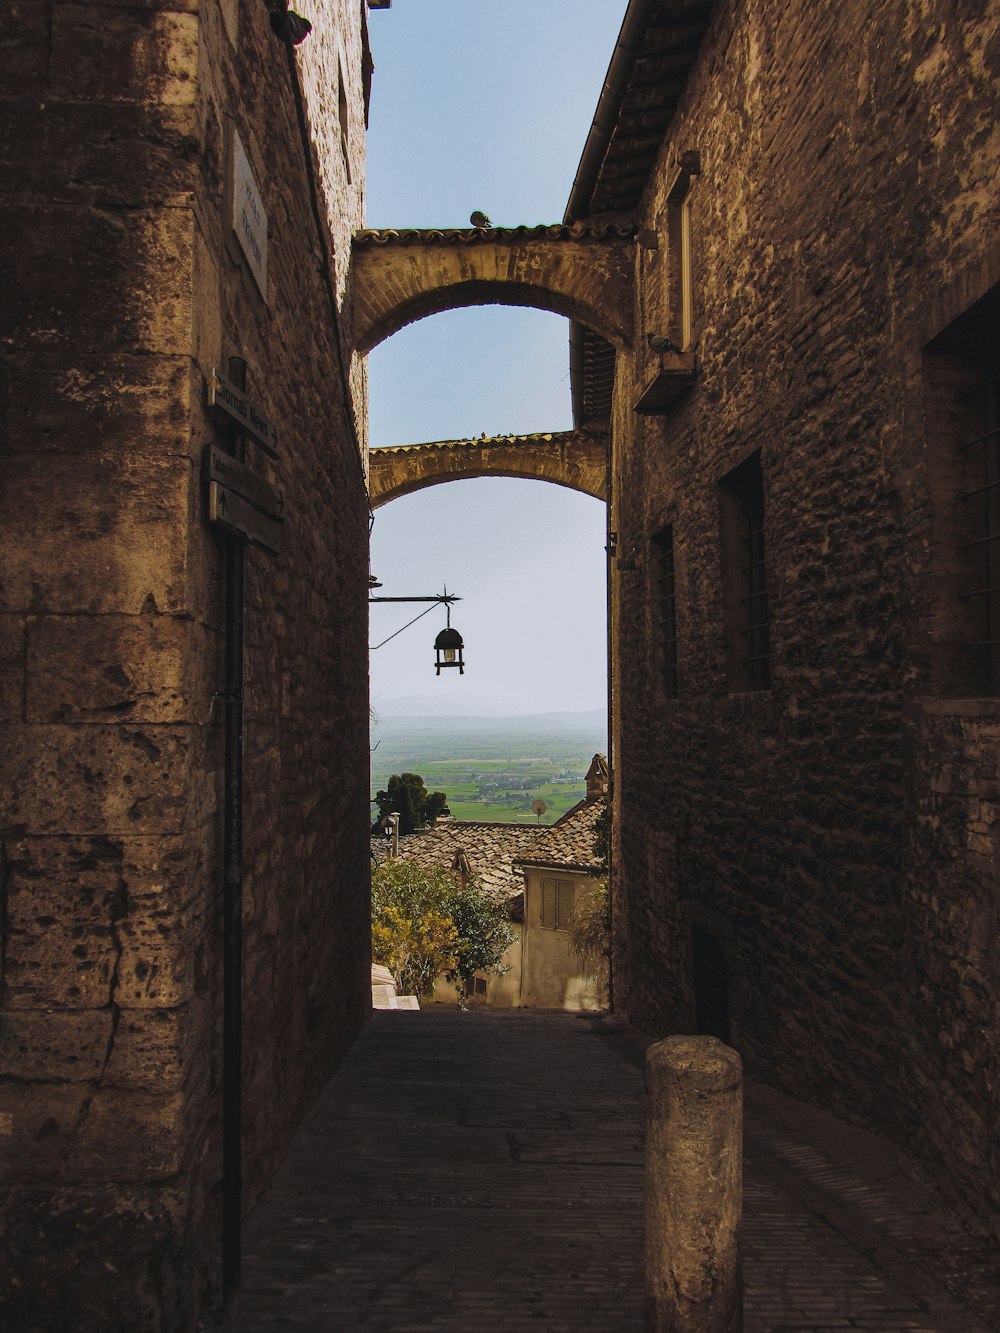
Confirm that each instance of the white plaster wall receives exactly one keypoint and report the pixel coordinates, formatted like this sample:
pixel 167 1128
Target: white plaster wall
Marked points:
pixel 552 977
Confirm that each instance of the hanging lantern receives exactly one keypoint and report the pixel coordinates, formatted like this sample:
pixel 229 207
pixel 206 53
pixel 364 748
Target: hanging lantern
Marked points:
pixel 448 649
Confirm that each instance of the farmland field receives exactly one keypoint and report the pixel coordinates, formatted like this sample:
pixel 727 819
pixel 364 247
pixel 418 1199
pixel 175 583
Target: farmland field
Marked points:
pixel 492 768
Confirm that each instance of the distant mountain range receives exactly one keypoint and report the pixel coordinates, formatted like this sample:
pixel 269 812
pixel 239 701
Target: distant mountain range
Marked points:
pixel 473 706
pixel 594 720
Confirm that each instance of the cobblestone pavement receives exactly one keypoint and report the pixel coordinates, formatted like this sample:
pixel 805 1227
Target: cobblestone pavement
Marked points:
pixel 484 1170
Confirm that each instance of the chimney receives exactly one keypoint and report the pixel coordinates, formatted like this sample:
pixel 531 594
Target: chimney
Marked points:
pixel 460 867
pixel 597 779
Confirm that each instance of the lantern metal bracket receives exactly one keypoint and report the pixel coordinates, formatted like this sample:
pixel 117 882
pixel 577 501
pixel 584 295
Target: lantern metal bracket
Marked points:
pixel 444 599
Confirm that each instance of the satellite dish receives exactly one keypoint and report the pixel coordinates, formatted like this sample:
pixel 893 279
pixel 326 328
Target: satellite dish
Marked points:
pixel 539 807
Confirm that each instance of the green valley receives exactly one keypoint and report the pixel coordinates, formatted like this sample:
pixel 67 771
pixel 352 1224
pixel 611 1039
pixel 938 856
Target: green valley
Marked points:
pixel 492 769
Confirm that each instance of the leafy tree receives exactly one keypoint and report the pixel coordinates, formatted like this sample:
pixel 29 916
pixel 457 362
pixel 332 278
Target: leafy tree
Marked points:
pixel 407 796
pixel 591 934
pixel 425 924
pixel 591 928
pixel 416 950
pixel 484 932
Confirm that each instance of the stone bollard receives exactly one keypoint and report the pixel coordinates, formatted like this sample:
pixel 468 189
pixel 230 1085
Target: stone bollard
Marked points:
pixel 694 1186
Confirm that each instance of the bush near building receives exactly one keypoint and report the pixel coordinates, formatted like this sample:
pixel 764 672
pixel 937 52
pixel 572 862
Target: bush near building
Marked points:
pixel 426 924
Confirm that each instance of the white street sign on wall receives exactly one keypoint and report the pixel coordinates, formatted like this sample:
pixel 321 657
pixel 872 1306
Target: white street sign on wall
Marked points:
pixel 248 220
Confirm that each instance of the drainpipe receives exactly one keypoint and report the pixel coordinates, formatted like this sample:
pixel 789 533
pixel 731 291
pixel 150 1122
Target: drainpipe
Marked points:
pixel 232 898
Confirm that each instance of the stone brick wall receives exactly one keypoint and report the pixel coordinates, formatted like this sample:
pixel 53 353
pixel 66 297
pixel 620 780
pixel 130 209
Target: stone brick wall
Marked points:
pixel 834 833
pixel 122 291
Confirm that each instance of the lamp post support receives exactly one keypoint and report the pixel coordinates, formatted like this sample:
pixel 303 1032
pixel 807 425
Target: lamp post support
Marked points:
pixel 445 598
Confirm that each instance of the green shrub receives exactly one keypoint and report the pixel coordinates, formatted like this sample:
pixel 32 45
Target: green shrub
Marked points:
pixel 591 934
pixel 425 925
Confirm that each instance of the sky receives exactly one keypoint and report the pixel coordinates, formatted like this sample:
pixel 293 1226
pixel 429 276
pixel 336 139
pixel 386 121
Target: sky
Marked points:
pixel 479 106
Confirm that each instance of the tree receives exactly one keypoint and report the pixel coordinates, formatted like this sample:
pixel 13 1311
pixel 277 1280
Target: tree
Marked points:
pixel 407 796
pixel 591 929
pixel 591 934
pixel 484 933
pixel 426 924
pixel 416 950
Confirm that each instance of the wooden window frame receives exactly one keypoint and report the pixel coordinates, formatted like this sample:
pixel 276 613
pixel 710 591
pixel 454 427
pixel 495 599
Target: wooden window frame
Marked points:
pixel 563 902
pixel 680 276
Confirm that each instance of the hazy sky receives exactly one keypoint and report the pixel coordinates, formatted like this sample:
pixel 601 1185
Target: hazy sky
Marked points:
pixel 479 106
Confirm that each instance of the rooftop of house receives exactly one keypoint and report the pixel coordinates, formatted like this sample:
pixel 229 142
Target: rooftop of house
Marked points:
pixel 498 853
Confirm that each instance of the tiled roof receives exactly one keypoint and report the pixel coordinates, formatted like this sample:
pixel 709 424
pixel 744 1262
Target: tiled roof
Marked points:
pixel 543 437
pixel 497 852
pixel 571 840
pixel 641 94
pixel 559 231
pixel 648 77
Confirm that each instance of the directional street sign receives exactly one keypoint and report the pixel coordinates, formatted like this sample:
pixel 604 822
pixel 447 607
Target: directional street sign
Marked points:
pixel 232 512
pixel 236 476
pixel 238 407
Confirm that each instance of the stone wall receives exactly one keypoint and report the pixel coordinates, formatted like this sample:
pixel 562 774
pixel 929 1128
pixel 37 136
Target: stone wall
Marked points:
pixel 834 833
pixel 122 291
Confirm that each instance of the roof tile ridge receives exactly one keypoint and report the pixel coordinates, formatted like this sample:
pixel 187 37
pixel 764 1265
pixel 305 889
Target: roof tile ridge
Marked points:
pixel 575 231
pixel 546 436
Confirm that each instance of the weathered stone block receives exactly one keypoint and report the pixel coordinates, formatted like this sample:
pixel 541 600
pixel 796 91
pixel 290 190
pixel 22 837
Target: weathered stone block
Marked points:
pixel 55 1046
pixel 96 922
pixel 165 953
pixel 123 55
pixel 127 289
pixel 157 1050
pixel 64 897
pixel 97 534
pixel 120 406
pixel 84 153
pixel 24 52
pixel 102 780
pixel 135 1136
pixel 12 673
pixel 105 1249
pixel 72 1133
pixel 36 1129
pixel 129 668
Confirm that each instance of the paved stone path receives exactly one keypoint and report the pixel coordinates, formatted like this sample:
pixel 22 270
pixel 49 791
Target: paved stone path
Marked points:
pixel 484 1170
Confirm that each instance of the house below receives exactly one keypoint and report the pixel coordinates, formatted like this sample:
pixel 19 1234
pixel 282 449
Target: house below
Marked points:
pixel 544 874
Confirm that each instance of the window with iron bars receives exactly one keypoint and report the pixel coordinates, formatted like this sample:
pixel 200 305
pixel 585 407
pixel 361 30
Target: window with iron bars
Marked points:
pixel 744 578
pixel 981 504
pixel 961 371
pixel 663 547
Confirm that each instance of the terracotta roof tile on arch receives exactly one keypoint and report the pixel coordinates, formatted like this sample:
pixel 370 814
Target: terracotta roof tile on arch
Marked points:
pixel 539 437
pixel 558 231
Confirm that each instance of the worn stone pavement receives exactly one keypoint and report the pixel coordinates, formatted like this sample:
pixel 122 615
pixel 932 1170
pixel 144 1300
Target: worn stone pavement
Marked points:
pixel 484 1170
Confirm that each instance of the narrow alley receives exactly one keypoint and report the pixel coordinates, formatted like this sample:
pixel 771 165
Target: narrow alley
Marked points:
pixel 485 1170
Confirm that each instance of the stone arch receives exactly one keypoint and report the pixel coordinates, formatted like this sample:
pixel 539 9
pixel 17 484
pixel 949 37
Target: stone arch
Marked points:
pixel 575 459
pixel 584 273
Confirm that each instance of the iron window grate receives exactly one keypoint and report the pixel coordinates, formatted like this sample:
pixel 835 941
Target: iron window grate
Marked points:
pixel 981 505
